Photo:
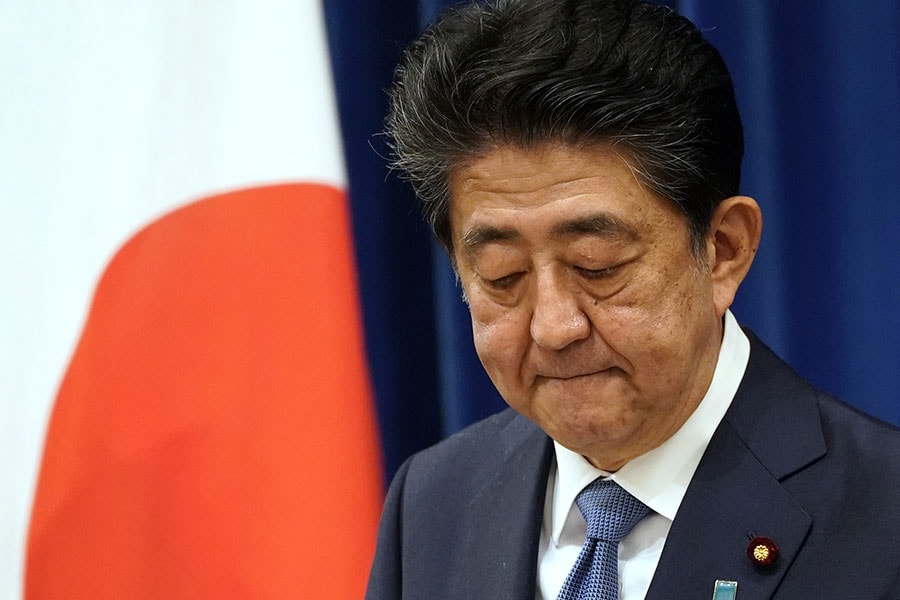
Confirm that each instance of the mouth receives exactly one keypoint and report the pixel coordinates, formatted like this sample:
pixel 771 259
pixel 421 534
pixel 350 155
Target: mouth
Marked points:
pixel 563 376
pixel 575 376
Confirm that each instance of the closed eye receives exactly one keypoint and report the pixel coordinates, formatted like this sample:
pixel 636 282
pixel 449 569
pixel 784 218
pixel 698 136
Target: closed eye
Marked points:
pixel 597 273
pixel 505 282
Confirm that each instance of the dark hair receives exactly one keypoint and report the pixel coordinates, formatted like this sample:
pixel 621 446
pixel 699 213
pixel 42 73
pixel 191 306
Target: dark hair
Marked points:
pixel 578 72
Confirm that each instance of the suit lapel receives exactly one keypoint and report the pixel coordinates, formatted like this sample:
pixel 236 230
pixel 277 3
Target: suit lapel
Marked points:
pixel 731 499
pixel 506 517
pixel 771 431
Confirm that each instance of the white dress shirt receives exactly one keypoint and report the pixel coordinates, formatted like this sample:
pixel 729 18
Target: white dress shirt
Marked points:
pixel 658 478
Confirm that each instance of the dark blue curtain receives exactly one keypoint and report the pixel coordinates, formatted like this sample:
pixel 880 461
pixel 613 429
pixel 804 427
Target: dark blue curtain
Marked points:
pixel 818 85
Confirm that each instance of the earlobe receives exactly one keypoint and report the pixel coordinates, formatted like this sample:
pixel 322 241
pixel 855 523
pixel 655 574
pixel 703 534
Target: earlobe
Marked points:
pixel 734 237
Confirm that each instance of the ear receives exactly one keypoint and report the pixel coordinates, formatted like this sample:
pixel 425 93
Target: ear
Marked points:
pixel 732 244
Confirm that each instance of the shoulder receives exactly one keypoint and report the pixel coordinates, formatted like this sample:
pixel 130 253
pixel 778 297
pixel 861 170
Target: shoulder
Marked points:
pixel 480 492
pixel 472 439
pixel 451 485
pixel 778 407
pixel 470 455
pixel 867 443
pixel 844 427
pixel 839 463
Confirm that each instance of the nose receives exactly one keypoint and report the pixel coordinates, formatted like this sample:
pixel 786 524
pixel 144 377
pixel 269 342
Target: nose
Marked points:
pixel 557 319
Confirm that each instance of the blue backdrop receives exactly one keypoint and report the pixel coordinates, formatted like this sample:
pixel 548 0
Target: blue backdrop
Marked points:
pixel 818 85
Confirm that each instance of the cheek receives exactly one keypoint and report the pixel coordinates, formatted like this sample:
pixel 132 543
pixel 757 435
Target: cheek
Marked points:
pixel 653 320
pixel 485 337
pixel 678 325
pixel 500 334
pixel 494 338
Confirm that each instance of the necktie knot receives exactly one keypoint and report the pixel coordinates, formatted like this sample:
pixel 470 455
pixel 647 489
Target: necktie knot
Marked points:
pixel 609 510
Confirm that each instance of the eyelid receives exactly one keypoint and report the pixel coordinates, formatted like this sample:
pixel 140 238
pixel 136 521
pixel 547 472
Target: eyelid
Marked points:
pixel 505 282
pixel 597 273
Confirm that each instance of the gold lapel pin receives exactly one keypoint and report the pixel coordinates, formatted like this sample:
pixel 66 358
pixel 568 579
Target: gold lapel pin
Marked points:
pixel 762 551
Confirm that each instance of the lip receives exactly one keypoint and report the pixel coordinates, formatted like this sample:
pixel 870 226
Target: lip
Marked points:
pixel 572 376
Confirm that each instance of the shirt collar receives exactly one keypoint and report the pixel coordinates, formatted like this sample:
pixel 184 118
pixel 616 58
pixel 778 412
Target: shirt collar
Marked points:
pixel 660 477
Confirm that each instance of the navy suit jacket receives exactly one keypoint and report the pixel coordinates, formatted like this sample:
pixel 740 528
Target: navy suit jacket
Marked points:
pixel 463 518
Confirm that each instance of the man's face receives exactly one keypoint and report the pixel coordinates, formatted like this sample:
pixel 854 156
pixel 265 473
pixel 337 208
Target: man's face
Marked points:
pixel 589 311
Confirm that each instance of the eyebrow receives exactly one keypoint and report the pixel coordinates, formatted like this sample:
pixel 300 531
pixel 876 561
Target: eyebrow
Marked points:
pixel 479 235
pixel 600 225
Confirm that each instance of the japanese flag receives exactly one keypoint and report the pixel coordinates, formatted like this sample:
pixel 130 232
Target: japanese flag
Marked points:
pixel 182 319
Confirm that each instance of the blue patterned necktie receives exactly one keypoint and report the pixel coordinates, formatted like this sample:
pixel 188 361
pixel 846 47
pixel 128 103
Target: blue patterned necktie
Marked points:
pixel 610 513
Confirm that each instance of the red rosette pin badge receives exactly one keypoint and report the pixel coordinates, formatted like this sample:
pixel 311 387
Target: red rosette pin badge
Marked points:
pixel 762 551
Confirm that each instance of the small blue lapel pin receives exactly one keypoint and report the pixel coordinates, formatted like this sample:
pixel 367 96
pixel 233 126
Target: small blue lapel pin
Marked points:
pixel 725 590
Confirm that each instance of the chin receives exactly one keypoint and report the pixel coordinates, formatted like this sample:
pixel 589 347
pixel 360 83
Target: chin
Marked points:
pixel 587 433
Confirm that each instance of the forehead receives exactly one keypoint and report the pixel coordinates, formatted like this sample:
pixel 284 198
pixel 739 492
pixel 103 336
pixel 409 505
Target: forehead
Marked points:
pixel 555 191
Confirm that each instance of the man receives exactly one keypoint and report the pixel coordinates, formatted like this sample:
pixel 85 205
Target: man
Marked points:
pixel 580 162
